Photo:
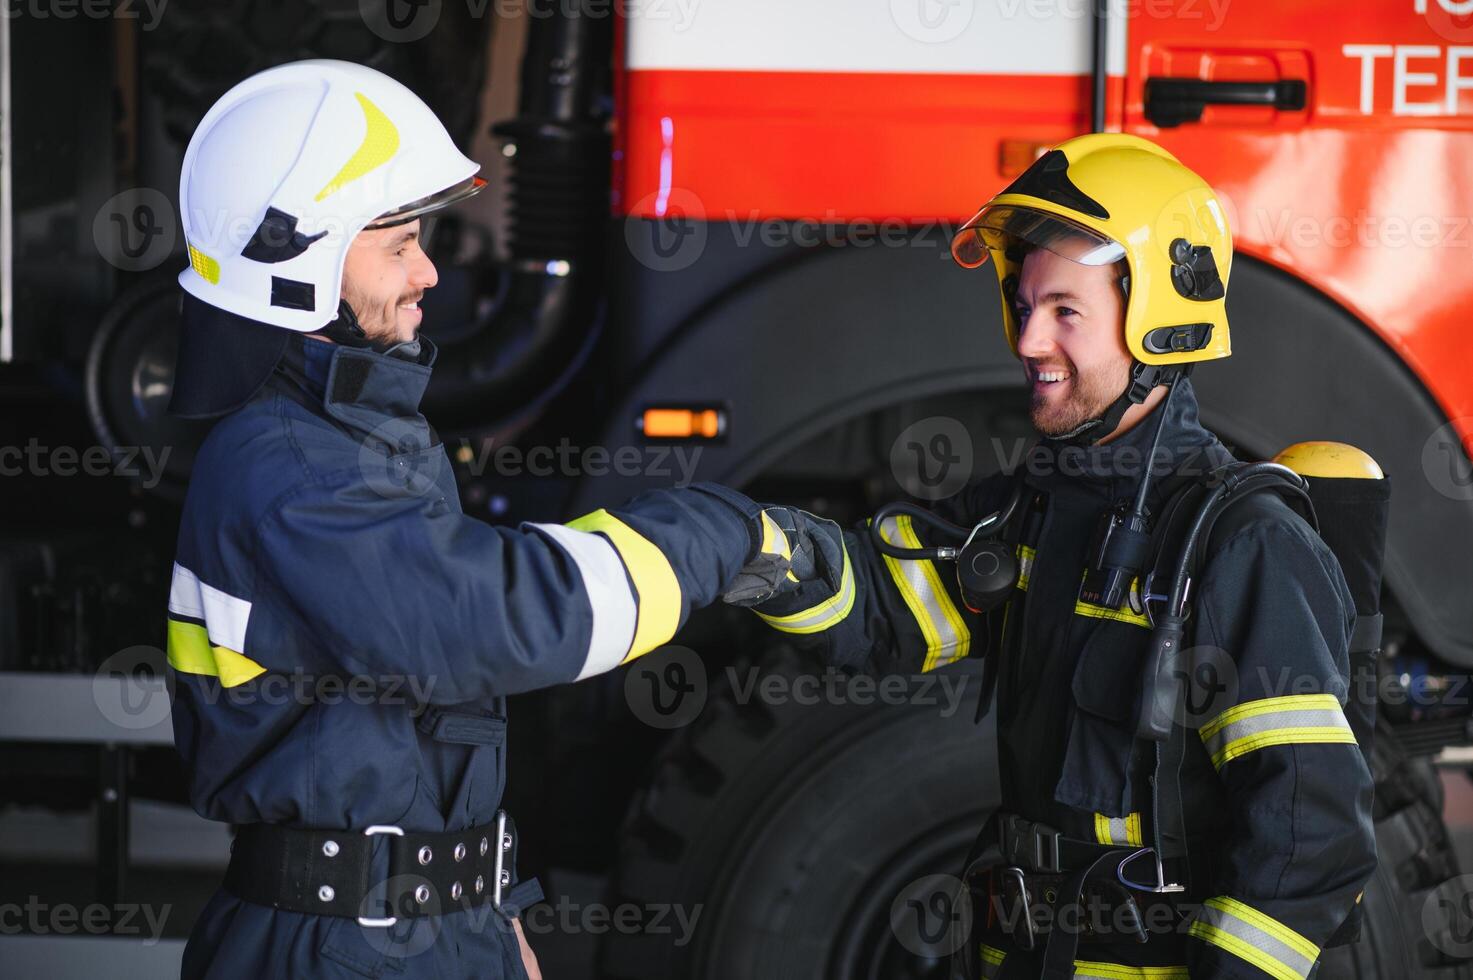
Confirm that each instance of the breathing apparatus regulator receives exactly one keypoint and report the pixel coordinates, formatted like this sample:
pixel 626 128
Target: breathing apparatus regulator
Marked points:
pixel 987 566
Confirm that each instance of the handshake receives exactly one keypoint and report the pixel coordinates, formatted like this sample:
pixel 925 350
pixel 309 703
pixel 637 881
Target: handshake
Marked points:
pixel 794 547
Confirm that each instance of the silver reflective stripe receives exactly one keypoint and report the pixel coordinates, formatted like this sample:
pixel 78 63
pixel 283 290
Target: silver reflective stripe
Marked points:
pixel 1255 938
pixel 1118 830
pixel 614 607
pixel 225 616
pixel 947 636
pixel 1303 718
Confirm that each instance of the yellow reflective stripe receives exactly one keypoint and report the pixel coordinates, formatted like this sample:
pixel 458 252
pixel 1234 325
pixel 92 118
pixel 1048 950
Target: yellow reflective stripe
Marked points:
pixel 208 268
pixel 1118 830
pixel 992 958
pixel 775 541
pixel 380 143
pixel 947 637
pixel 1255 938
pixel 1025 565
pixel 655 584
pixel 190 652
pixel 1295 719
pixel 823 615
pixel 1125 614
pixel 991 961
pixel 961 635
pixel 1119 971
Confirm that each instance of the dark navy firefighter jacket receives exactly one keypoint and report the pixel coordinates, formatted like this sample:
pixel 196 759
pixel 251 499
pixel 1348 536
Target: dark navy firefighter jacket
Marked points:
pixel 1277 796
pixel 343 639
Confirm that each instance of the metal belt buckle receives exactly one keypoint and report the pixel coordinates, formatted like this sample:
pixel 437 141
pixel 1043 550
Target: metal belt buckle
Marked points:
pixel 1160 886
pixel 1014 875
pixel 390 920
pixel 500 859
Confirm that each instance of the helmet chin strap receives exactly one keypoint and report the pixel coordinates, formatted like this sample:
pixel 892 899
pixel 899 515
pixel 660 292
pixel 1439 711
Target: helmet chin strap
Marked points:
pixel 1143 380
pixel 346 330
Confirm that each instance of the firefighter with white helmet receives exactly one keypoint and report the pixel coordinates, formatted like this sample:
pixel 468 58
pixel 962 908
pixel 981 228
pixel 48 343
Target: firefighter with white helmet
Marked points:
pixel 342 636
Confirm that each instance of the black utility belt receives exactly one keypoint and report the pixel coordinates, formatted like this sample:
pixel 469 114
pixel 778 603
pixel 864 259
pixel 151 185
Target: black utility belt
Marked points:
pixel 336 872
pixel 1046 881
pixel 1028 906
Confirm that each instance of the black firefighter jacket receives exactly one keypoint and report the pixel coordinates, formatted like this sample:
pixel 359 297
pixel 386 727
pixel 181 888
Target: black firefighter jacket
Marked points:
pixel 1277 795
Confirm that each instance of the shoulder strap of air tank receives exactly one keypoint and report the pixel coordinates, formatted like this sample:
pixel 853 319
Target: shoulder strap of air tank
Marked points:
pixel 1184 494
pixel 1004 624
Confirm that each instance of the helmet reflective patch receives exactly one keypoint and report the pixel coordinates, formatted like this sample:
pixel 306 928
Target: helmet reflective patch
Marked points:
pixel 379 145
pixel 208 268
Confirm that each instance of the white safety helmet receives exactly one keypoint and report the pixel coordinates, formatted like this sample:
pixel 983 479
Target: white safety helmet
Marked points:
pixel 288 167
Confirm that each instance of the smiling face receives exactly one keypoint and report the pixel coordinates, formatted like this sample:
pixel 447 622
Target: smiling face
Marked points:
pixel 385 275
pixel 1071 340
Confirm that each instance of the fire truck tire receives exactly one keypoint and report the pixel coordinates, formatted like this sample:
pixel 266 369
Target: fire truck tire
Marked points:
pixel 1416 915
pixel 783 831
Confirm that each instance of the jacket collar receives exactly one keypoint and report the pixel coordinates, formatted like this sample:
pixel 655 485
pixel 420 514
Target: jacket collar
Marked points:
pixel 1113 471
pixel 358 386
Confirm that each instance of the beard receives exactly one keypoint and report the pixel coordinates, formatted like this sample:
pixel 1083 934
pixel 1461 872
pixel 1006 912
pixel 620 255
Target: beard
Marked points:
pixel 1087 396
pixel 379 319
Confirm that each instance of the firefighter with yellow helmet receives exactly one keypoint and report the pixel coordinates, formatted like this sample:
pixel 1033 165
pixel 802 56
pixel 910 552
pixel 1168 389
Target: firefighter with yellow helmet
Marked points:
pixel 1238 845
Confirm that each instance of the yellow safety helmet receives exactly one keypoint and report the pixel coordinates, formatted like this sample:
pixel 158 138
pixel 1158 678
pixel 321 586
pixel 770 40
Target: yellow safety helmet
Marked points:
pixel 1108 197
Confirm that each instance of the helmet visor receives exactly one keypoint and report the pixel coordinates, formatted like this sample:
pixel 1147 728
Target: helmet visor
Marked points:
pixel 453 194
pixel 1004 226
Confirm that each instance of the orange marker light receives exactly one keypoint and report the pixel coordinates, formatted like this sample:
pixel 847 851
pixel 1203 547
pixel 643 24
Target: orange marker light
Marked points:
pixel 682 423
